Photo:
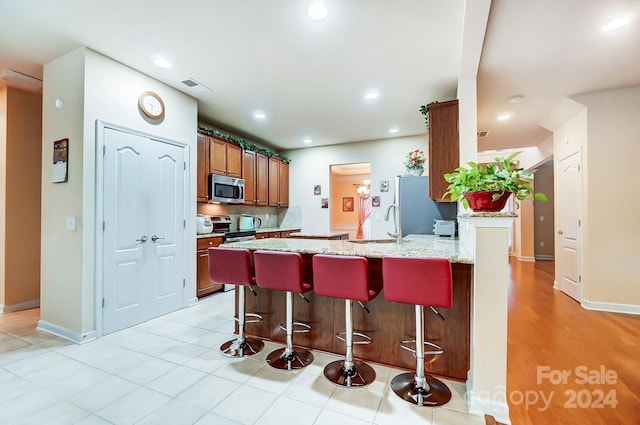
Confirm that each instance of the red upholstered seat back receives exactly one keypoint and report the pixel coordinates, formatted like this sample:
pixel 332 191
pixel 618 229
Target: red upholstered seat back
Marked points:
pixel 419 281
pixel 281 271
pixel 231 266
pixel 342 276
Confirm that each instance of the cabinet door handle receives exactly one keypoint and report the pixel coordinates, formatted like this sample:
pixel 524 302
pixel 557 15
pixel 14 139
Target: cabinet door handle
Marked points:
pixel 155 238
pixel 143 239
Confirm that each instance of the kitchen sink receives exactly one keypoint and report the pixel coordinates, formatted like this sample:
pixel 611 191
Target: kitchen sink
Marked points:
pixel 372 241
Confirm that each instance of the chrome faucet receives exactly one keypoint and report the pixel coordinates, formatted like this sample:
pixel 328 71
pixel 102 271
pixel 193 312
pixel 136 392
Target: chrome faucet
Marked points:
pixel 396 222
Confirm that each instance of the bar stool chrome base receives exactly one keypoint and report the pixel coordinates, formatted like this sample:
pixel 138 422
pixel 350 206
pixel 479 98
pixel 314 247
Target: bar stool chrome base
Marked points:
pixel 404 385
pixel 235 348
pixel 358 375
pixel 293 359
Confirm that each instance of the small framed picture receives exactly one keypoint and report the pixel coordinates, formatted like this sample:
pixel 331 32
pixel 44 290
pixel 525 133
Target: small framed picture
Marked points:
pixel 384 185
pixel 375 201
pixel 324 203
pixel 347 204
pixel 317 189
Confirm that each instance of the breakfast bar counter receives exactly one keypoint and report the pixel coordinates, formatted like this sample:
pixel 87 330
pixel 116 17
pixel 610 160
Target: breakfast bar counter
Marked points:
pixel 388 323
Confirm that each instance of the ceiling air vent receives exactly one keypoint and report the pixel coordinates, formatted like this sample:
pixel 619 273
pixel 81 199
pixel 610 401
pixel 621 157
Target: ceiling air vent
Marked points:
pixel 195 86
pixel 190 83
pixel 483 133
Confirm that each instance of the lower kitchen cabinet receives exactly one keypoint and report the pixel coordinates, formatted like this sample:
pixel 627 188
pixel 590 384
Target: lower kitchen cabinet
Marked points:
pixel 206 286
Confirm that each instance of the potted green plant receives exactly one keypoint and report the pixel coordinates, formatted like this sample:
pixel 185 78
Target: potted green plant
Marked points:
pixel 487 187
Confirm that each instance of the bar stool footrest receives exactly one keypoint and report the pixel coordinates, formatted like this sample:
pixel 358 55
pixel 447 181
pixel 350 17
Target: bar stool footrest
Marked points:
pixel 256 318
pixel 439 350
pixel 366 339
pixel 305 328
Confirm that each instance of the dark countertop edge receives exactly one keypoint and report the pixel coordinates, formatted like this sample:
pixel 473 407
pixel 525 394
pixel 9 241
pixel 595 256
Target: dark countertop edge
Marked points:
pixel 209 235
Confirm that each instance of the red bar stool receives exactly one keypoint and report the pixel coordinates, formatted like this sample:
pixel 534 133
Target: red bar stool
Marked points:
pixel 420 282
pixel 346 277
pixel 233 266
pixel 282 271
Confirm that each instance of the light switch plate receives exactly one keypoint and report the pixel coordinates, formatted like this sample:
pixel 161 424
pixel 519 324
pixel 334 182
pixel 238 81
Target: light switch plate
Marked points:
pixel 71 223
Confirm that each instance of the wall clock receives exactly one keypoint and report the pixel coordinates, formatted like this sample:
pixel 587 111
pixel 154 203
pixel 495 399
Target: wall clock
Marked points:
pixel 151 105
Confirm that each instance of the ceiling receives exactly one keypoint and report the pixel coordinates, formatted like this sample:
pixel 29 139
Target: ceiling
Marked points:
pixel 310 77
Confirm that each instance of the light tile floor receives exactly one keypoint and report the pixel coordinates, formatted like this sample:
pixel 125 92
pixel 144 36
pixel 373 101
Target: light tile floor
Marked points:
pixel 169 371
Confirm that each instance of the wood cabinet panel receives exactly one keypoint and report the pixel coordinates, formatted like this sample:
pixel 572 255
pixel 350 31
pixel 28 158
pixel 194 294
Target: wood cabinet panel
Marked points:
pixel 204 285
pixel 444 150
pixel 203 168
pixel 278 183
pixel 262 180
pixel 249 176
pixel 217 156
pixel 234 160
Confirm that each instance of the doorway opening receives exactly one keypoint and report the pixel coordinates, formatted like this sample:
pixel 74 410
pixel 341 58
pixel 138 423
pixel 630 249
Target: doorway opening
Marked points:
pixel 543 222
pixel 350 204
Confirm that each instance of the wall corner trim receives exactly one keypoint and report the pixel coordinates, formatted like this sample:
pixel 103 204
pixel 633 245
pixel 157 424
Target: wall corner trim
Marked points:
pixel 10 308
pixel 68 334
pixel 481 406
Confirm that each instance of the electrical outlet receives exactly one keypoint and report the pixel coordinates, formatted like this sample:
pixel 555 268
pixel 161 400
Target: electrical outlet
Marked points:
pixel 541 218
pixel 377 217
pixel 71 223
pixel 542 244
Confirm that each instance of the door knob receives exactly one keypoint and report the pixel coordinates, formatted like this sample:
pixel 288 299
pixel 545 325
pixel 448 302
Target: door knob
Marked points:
pixel 155 238
pixel 143 239
pixel 560 232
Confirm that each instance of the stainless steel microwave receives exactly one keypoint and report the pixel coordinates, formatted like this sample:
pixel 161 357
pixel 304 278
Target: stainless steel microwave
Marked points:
pixel 225 189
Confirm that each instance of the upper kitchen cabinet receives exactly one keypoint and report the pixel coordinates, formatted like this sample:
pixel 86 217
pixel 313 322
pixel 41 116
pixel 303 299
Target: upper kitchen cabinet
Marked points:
pixel 278 183
pixel 255 172
pixel 203 168
pixel 444 151
pixel 225 158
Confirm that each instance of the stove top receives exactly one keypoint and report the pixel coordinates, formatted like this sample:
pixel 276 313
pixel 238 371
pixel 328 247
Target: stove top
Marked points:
pixel 222 224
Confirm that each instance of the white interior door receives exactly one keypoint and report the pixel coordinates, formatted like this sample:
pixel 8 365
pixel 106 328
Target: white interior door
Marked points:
pixel 570 225
pixel 144 263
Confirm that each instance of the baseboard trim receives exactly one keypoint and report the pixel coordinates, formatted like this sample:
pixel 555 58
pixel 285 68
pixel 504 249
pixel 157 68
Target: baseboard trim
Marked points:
pixel 545 257
pixel 192 301
pixel 10 308
pixel 68 334
pixel 611 307
pixel 555 285
pixel 481 406
pixel 526 259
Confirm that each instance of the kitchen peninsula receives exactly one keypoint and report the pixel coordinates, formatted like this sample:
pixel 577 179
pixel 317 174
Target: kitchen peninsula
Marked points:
pixel 388 323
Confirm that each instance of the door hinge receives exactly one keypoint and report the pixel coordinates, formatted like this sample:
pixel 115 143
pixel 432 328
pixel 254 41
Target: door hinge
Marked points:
pixel 104 150
pixel 184 283
pixel 578 167
pixel 104 226
pixel 184 165
pixel 580 278
pixel 184 224
pixel 579 223
pixel 103 303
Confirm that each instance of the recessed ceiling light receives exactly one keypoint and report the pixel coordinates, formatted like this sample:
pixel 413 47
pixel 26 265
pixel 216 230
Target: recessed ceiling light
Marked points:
pixel 371 94
pixel 504 117
pixel 162 62
pixel 308 141
pixel 318 11
pixel 616 23
pixel 259 115
pixel 393 130
pixel 517 98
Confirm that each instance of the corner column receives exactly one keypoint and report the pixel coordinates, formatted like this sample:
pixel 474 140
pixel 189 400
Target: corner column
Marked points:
pixel 485 238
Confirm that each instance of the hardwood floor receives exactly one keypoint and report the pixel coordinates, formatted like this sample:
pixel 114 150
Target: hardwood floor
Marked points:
pixel 550 334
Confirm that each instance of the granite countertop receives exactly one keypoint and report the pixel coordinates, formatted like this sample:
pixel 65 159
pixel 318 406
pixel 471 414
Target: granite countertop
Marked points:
pixel 319 235
pixel 411 246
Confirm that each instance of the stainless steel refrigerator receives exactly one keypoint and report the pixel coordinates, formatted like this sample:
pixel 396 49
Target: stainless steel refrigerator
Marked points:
pixel 418 211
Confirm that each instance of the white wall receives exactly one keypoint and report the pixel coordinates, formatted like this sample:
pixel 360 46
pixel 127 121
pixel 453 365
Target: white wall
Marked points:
pixel 611 207
pixel 94 87
pixel 310 166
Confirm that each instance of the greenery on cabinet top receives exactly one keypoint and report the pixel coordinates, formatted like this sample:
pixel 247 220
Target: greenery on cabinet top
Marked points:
pixel 242 143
